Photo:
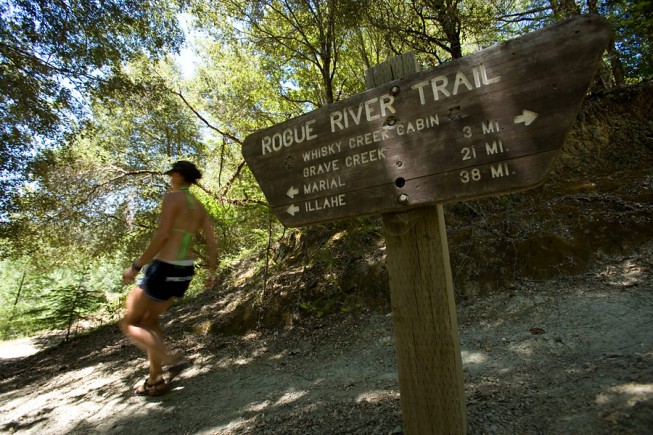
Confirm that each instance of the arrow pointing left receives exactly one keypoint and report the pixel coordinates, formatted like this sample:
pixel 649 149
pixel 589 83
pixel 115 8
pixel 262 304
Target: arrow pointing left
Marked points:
pixel 292 209
pixel 292 191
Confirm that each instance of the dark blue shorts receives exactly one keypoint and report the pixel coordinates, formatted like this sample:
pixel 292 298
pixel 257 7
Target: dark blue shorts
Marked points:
pixel 163 281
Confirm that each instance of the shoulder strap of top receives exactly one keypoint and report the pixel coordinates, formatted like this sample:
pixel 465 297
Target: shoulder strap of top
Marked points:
pixel 189 197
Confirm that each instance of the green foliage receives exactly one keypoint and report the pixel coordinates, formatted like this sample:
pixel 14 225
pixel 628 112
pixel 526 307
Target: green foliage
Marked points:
pixel 298 44
pixel 432 28
pixel 631 20
pixel 633 24
pixel 100 190
pixel 94 108
pixel 33 298
pixel 69 300
pixel 19 306
pixel 54 55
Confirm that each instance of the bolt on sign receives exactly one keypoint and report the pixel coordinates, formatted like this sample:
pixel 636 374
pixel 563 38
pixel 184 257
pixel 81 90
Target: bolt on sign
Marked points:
pixel 485 124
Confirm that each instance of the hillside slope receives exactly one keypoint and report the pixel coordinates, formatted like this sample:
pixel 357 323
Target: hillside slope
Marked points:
pixel 596 202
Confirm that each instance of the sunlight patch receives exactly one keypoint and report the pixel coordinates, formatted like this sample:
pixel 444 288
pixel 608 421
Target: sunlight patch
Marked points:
pixel 473 357
pixel 376 396
pixel 279 356
pixel 257 407
pixel 627 274
pixel 290 396
pixel 525 348
pixel 89 390
pixel 227 363
pixel 244 278
pixel 18 348
pixel 251 336
pixel 235 426
pixel 630 393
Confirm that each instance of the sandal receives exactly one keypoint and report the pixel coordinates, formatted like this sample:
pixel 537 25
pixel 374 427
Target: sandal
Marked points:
pixel 175 369
pixel 156 389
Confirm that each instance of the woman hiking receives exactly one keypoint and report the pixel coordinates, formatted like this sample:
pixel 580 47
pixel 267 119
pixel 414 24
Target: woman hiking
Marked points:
pixel 170 269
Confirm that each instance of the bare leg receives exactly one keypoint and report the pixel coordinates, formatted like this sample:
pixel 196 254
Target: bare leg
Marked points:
pixel 157 359
pixel 141 325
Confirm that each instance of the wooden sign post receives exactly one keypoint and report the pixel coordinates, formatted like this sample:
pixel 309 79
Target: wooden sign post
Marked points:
pixel 423 306
pixel 485 124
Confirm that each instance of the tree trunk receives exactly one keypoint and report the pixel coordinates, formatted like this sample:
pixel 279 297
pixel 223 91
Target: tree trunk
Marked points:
pixel 13 309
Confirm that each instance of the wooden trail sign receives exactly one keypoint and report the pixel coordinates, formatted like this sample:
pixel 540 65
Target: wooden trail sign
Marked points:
pixel 488 123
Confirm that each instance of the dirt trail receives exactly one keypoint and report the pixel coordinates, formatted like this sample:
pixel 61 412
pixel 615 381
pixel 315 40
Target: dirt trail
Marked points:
pixel 566 356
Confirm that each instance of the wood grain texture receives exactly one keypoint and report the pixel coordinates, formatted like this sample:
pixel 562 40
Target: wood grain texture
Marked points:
pixel 460 116
pixel 423 309
pixel 425 323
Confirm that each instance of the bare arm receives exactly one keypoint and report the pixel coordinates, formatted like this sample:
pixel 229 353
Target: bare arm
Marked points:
pixel 162 234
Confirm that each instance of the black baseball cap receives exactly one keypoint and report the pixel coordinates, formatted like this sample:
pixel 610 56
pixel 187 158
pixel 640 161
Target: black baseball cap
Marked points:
pixel 187 170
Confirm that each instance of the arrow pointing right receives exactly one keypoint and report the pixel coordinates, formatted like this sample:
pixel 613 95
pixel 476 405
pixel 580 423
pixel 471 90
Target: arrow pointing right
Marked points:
pixel 292 209
pixel 527 117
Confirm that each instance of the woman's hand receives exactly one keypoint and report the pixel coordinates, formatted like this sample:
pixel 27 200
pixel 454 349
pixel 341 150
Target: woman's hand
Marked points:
pixel 129 275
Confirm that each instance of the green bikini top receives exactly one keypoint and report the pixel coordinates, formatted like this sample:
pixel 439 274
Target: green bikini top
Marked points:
pixel 187 239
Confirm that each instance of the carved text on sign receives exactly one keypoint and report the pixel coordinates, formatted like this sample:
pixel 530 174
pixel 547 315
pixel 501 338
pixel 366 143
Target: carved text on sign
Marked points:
pixel 485 124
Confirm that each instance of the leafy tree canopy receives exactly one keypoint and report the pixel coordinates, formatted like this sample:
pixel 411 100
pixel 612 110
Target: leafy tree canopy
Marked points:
pixel 55 53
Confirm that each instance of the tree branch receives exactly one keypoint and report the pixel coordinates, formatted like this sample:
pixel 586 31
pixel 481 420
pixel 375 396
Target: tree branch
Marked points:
pixel 204 120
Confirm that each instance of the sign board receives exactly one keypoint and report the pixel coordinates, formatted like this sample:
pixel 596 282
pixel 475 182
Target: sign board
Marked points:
pixel 485 124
